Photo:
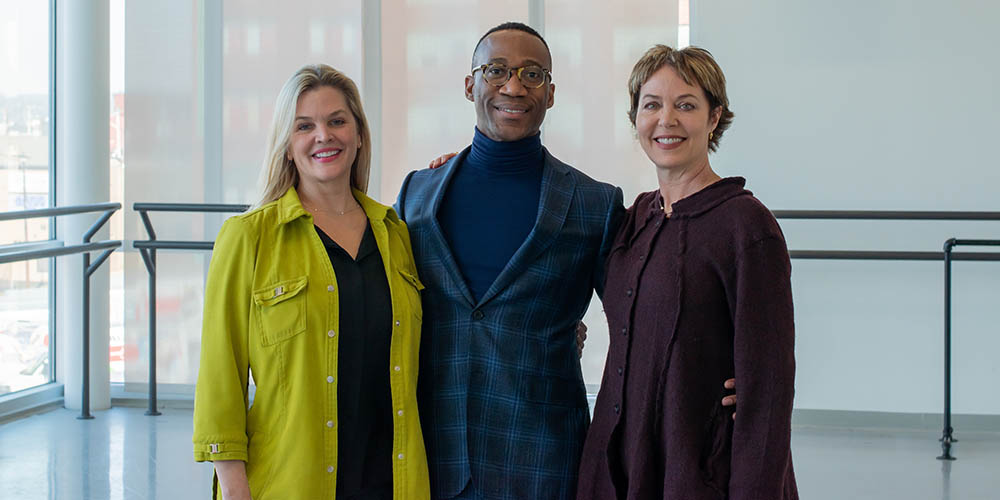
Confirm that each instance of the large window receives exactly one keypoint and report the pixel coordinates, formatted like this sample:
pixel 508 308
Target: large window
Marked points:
pixel 197 115
pixel 25 126
pixel 199 111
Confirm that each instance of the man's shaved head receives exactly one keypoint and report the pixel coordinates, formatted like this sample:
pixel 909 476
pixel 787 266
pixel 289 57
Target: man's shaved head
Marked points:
pixel 510 25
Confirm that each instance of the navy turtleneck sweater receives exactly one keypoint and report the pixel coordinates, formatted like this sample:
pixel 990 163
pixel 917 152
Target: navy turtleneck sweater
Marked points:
pixel 491 205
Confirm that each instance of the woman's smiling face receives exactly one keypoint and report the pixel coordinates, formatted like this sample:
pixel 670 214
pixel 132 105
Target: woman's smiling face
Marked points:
pixel 674 121
pixel 325 138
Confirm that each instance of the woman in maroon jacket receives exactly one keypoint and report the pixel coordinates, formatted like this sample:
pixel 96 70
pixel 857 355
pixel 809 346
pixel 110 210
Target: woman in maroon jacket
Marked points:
pixel 698 291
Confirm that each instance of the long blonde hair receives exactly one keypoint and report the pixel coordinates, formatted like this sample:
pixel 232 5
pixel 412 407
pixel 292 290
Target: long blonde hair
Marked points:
pixel 278 173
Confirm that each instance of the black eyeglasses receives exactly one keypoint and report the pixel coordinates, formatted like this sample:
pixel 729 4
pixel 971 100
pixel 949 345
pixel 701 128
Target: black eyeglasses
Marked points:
pixel 497 74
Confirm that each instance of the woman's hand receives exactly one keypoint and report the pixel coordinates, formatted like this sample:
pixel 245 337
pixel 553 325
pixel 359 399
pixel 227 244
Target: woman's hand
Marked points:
pixel 233 479
pixel 730 400
pixel 441 160
pixel 581 337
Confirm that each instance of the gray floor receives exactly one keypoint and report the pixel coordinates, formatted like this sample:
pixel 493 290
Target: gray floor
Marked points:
pixel 123 454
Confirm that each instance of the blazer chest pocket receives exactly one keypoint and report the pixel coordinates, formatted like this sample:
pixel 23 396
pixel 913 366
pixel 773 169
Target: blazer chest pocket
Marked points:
pixel 281 310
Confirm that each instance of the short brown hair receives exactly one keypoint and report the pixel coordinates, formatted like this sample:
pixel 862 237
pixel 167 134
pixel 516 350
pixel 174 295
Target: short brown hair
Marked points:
pixel 697 67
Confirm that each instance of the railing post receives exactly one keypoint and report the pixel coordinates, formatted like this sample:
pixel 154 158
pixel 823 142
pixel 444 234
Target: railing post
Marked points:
pixel 149 259
pixel 85 380
pixel 88 270
pixel 946 431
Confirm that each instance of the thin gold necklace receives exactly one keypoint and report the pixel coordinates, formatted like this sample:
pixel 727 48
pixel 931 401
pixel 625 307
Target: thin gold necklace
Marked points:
pixel 333 212
pixel 664 208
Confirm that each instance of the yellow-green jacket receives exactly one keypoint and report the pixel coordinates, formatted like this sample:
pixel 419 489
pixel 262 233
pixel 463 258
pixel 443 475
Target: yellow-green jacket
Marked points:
pixel 271 308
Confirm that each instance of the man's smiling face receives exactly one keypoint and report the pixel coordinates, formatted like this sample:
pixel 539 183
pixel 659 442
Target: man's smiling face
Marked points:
pixel 511 111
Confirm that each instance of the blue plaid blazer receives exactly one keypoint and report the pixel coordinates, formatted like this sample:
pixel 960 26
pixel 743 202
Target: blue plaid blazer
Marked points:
pixel 502 399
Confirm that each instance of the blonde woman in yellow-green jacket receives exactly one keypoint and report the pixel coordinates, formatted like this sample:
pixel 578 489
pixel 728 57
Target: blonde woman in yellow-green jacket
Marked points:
pixel 315 270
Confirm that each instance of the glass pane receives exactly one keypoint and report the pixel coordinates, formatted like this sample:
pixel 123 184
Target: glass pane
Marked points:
pixel 593 51
pixel 24 325
pixel 116 264
pixel 424 110
pixel 24 184
pixel 24 117
pixel 197 118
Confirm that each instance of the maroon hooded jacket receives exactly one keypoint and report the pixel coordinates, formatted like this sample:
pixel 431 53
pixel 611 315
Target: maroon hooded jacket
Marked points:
pixel 692 300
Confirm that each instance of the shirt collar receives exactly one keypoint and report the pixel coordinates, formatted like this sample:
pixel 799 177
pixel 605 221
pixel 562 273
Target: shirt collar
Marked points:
pixel 290 207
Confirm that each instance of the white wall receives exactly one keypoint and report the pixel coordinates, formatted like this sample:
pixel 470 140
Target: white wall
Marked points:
pixel 871 105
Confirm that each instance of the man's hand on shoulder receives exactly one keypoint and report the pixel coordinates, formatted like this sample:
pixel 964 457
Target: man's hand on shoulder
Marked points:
pixel 441 160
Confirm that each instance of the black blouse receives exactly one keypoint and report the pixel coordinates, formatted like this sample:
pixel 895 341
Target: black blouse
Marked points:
pixel 364 399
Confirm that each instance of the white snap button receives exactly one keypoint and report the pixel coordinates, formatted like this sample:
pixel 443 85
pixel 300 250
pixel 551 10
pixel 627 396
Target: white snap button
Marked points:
pixel 397 368
pixel 329 423
pixel 329 469
pixel 400 456
pixel 331 334
pixel 329 379
pixel 400 413
pixel 329 288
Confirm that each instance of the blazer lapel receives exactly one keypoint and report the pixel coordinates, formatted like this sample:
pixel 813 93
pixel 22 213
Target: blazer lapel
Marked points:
pixel 436 234
pixel 553 205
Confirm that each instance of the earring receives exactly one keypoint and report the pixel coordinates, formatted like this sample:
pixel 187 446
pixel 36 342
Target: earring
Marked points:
pixel 711 135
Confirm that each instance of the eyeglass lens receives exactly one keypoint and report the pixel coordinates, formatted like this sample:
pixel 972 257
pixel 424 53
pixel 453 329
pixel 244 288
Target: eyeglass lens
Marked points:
pixel 498 74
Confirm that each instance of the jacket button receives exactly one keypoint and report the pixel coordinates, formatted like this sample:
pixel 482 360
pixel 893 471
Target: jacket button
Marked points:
pixel 628 293
pixel 617 409
pixel 624 331
pixel 477 315
pixel 620 370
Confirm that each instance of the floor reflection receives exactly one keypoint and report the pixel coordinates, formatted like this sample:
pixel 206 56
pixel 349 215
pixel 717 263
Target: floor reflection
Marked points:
pixel 123 454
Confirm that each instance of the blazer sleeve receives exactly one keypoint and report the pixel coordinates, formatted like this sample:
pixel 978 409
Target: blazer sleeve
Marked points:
pixel 764 355
pixel 612 221
pixel 220 404
pixel 400 205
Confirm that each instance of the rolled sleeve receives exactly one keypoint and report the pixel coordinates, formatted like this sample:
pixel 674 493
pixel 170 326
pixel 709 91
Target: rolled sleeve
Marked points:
pixel 220 405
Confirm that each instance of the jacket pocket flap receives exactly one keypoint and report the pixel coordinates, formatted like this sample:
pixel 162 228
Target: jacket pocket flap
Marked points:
pixel 279 291
pixel 412 278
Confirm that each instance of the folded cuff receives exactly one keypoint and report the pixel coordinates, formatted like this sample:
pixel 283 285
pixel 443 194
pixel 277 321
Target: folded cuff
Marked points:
pixel 211 452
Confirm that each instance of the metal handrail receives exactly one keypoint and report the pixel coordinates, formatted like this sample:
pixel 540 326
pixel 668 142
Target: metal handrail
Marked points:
pixel 29 246
pixel 147 248
pixel 888 255
pixel 56 211
pixel 189 207
pixel 947 437
pixel 89 268
pixel 59 251
pixel 885 215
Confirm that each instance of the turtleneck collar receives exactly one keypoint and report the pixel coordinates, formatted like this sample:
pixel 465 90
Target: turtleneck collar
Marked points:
pixel 514 157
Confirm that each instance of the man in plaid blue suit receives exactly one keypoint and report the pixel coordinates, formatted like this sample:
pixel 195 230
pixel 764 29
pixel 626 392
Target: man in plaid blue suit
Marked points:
pixel 510 244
